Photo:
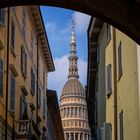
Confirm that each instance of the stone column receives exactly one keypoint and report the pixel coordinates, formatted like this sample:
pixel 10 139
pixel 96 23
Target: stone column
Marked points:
pixel 77 111
pixel 65 136
pixel 78 136
pixel 74 111
pixel 69 136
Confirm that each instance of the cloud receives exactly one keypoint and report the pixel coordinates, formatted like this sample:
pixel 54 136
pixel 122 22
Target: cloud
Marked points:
pixel 58 78
pixel 81 22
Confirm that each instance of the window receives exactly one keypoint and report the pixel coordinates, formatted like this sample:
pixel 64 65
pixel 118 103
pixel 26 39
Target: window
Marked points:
pixel 68 111
pixel 32 46
pixel 80 111
pixel 1 16
pixel 108 32
pixel 44 107
pixel 1 77
pixel 76 112
pixel 72 113
pixel 44 77
pixel 109 79
pixel 23 107
pixel 23 62
pixel 12 35
pixel 24 24
pixel 32 82
pixel 39 97
pixel 119 60
pixel 12 93
pixel 98 53
pixel 121 126
pixel 39 66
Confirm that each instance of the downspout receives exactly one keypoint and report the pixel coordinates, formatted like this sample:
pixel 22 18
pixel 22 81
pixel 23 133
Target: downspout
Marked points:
pixel 7 73
pixel 37 85
pixel 115 85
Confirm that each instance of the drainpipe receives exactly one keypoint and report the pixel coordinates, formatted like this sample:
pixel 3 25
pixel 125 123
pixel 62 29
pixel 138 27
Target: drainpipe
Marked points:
pixel 37 86
pixel 115 85
pixel 7 73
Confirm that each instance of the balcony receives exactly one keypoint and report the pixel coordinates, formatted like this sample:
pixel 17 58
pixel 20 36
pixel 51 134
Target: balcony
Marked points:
pixel 24 127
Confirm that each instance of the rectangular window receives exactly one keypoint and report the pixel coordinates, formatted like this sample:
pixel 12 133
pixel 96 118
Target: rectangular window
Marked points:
pixel 1 16
pixel 121 126
pixel 24 24
pixel 44 77
pixel 39 97
pixel 23 61
pixel 119 60
pixel 108 33
pixel 1 77
pixel 32 82
pixel 12 35
pixel 44 107
pixel 12 93
pixel 98 53
pixel 39 66
pixel 32 46
pixel 109 80
pixel 23 107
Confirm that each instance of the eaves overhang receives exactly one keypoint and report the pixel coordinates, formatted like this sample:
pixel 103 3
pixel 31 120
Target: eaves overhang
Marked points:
pixel 43 39
pixel 94 30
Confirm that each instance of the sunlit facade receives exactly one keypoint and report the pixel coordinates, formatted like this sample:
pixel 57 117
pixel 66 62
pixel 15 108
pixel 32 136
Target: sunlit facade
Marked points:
pixel 27 73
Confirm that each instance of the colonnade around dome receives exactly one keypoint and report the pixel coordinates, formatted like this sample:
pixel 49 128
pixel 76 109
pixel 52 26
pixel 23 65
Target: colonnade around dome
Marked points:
pixel 74 111
pixel 77 136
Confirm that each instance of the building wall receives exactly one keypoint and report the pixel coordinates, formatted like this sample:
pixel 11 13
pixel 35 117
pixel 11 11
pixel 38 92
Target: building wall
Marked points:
pixel 101 77
pixel 127 88
pixel 128 99
pixel 110 100
pixel 15 59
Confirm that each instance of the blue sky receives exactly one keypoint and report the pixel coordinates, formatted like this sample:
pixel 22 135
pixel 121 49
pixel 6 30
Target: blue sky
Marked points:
pixel 58 24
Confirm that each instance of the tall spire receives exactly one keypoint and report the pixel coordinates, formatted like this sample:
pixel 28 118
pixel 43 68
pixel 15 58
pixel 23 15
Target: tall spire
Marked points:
pixel 73 68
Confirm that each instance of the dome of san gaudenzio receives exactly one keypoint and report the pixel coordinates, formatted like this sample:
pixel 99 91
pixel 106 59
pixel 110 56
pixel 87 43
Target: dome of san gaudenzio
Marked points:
pixel 72 86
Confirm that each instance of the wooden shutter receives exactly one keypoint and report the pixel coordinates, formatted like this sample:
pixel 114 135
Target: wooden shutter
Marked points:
pixel 119 60
pixel 1 16
pixel 1 77
pixel 24 24
pixel 32 82
pixel 12 94
pixel 13 35
pixel 23 61
pixel 21 58
pixel 109 79
pixel 39 97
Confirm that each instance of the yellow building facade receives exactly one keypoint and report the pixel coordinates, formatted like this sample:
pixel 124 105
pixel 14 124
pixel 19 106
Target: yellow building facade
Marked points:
pixel 113 88
pixel 30 61
pixel 122 101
